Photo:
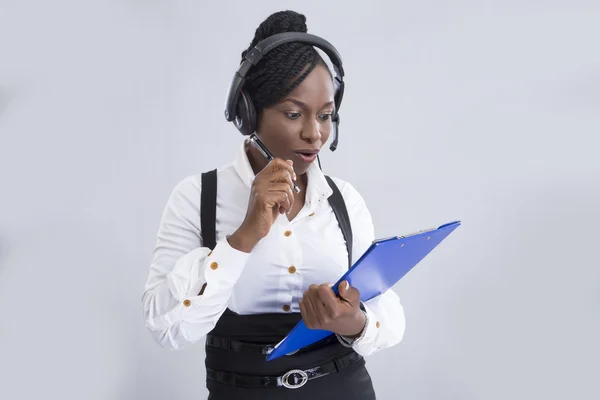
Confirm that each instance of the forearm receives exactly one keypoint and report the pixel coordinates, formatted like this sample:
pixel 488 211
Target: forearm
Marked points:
pixel 243 240
pixel 183 305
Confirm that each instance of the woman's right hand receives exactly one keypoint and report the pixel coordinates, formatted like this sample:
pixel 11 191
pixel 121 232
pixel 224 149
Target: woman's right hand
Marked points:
pixel 271 195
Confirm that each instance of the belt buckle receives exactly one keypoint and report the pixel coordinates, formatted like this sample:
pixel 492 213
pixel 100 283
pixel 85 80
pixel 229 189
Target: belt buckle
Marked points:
pixel 303 380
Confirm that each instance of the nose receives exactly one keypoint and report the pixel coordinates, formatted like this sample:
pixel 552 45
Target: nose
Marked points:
pixel 311 131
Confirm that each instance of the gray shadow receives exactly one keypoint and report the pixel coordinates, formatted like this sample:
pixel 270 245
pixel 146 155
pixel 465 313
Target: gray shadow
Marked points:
pixel 6 97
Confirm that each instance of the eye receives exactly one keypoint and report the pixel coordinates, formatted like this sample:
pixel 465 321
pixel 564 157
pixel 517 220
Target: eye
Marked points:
pixel 324 117
pixel 293 115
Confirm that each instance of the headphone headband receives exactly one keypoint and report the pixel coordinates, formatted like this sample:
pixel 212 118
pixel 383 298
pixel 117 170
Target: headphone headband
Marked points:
pixel 268 44
pixel 245 122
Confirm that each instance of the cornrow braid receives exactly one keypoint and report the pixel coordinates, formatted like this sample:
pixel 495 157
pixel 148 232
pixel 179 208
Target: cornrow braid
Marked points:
pixel 281 70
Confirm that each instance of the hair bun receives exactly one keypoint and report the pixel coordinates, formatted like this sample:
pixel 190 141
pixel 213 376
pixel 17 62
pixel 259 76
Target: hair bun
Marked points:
pixel 282 21
pixel 279 22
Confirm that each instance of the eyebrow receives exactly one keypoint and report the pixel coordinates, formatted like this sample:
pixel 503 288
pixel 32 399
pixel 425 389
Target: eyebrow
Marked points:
pixel 302 104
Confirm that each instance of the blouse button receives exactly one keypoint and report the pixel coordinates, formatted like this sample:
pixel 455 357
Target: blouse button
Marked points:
pixel 286 308
pixel 214 265
pixel 287 233
pixel 292 269
pixel 378 324
pixel 187 303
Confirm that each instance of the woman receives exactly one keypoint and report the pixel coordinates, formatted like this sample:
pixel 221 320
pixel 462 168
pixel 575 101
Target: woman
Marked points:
pixel 241 257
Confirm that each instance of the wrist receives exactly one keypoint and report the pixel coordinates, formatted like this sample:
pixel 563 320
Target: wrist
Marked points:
pixel 242 241
pixel 351 340
pixel 361 325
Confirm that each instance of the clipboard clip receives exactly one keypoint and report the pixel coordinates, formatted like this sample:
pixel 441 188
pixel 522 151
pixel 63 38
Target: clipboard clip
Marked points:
pixel 417 233
pixel 385 239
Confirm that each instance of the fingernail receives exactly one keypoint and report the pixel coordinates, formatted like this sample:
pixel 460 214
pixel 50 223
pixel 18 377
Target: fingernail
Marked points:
pixel 291 162
pixel 330 284
pixel 347 285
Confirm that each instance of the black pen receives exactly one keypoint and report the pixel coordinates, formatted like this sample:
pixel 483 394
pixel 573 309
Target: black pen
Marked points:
pixel 265 152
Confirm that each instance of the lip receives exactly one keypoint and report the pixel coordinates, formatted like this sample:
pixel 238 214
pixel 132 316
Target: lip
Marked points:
pixel 307 156
pixel 311 151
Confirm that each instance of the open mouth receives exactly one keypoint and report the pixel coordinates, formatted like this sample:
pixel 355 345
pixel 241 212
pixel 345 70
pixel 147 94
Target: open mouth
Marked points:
pixel 307 156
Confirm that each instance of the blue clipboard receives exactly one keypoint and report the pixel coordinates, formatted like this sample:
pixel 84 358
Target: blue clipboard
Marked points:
pixel 384 263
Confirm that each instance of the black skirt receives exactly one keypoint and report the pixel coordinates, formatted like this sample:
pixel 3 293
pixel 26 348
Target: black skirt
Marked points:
pixel 236 368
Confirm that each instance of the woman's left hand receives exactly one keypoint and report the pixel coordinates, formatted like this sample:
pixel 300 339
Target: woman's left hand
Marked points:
pixel 322 309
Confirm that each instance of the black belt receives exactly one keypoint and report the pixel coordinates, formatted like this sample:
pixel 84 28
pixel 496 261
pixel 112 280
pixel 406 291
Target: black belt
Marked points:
pixel 292 379
pixel 237 346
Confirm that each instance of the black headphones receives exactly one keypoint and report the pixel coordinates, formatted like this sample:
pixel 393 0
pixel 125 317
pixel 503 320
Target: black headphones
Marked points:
pixel 239 108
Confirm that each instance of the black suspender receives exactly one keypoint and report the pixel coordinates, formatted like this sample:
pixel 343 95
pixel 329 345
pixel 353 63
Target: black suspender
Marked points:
pixel 341 213
pixel 208 207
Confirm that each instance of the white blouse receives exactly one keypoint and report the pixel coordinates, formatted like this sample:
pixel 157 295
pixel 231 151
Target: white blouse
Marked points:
pixel 310 249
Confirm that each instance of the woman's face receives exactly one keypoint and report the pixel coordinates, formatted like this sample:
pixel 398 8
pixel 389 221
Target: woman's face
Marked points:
pixel 299 125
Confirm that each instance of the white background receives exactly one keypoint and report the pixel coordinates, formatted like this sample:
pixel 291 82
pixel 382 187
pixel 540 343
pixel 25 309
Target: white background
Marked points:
pixel 487 112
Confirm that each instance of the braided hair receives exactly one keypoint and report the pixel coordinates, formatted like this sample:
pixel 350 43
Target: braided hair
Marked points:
pixel 284 68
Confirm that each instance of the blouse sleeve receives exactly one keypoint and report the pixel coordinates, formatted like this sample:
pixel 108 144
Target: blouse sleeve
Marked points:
pixel 188 286
pixel 386 319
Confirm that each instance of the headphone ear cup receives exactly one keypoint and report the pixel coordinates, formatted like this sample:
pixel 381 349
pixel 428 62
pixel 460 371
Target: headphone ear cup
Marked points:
pixel 251 116
pixel 245 120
